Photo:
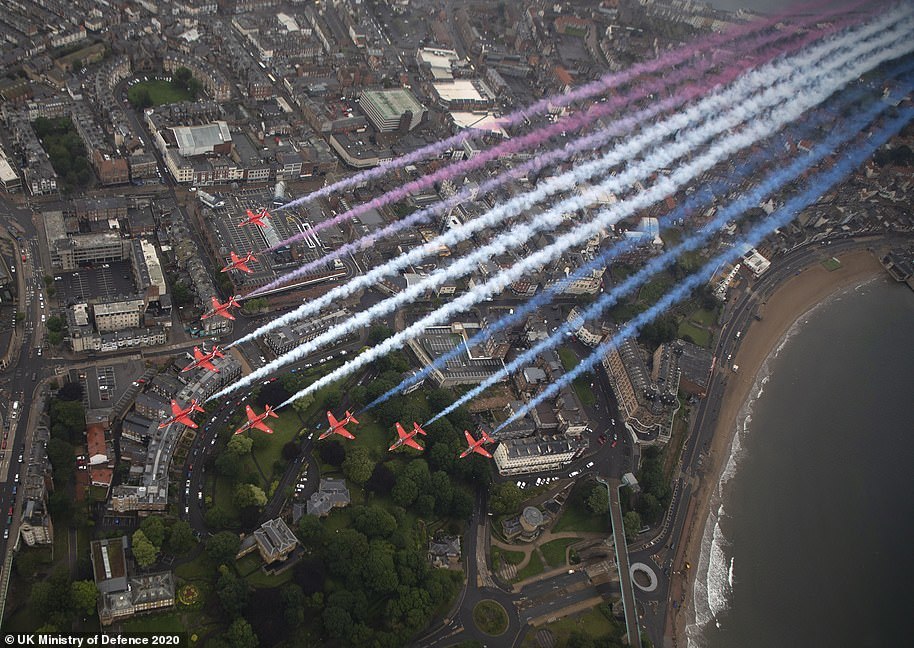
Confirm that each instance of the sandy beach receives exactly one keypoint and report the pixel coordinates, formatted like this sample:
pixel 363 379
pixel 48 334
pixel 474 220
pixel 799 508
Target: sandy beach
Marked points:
pixel 785 306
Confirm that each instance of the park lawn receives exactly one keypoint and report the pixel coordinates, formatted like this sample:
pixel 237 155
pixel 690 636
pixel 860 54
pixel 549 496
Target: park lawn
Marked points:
pixel 592 623
pixel 704 317
pixel 285 429
pixel 554 551
pixel 509 557
pixel 534 567
pixel 654 290
pixel 576 518
pixel 200 568
pixel 490 617
pixel 568 358
pixel 222 497
pixel 156 623
pixel 161 92
pixel 583 390
pixel 260 579
pixel 831 264
pixel 699 336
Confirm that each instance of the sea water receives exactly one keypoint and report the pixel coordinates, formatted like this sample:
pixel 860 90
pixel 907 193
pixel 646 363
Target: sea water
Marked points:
pixel 809 538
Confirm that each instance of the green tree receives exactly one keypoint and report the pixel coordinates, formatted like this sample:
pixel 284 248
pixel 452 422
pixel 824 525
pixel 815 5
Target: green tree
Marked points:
pixel 293 599
pixel 373 521
pixel 223 546
pixel 337 622
pixel 71 391
pixel 311 532
pixel 84 596
pixel 506 498
pixel 404 492
pixel 332 452
pixel 181 538
pixel 290 450
pixel 216 518
pixel 382 479
pixel 598 500
pixel 54 323
pixel 249 495
pixel 239 445
pixel 378 333
pixel 240 634
pixel 233 591
pixel 358 465
pixel 143 550
pixel 153 527
pixel 632 523
pixel 63 461
pixel 229 465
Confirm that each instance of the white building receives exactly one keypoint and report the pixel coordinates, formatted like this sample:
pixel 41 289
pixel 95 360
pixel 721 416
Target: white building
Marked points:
pixel 118 315
pixel 388 109
pixel 536 454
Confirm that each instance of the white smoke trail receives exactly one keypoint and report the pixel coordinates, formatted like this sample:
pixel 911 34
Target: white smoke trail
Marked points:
pixel 783 91
pixel 738 92
pixel 811 95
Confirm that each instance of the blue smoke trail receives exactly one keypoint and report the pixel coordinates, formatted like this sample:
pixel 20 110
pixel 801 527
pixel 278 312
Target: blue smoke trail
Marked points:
pixel 772 183
pixel 821 183
pixel 701 198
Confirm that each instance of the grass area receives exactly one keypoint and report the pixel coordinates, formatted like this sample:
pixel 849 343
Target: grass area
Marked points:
pixel 161 92
pixel 704 317
pixel 490 617
pixel 156 623
pixel 532 568
pixel 285 429
pixel 583 390
pixel 677 440
pixel 222 497
pixel 654 290
pixel 200 568
pixel 592 623
pixel 831 264
pixel 568 358
pixel 699 336
pixel 576 517
pixel 554 552
pixel 509 557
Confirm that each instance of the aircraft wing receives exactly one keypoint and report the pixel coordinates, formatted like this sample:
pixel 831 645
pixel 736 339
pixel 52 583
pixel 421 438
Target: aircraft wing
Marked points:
pixel 250 412
pixel 470 438
pixel 224 312
pixel 176 409
pixel 260 425
pixel 482 451
pixel 344 432
pixel 241 266
pixel 412 443
pixel 185 419
pixel 333 422
pixel 400 431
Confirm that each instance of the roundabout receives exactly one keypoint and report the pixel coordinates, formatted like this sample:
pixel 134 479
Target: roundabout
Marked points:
pixel 643 577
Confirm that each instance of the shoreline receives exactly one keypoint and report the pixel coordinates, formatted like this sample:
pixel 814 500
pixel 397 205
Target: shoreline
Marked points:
pixel 788 303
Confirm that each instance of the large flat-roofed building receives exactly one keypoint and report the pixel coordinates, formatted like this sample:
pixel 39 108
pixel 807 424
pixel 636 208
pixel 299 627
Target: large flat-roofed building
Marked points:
pixel 467 368
pixel 647 406
pixel 69 250
pixel 148 268
pixel 391 110
pixel 285 338
pixel 202 140
pixel 535 454
pixel 463 94
pixel 120 594
pixel 119 315
pixel 9 179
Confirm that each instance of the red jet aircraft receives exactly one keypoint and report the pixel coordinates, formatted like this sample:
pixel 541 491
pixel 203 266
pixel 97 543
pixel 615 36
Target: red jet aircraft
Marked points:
pixel 257 420
pixel 339 427
pixel 179 415
pixel 203 359
pixel 408 437
pixel 222 309
pixel 240 263
pixel 255 219
pixel 476 446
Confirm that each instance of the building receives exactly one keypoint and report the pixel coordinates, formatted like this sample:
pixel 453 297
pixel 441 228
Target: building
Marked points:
pixel 391 110
pixel 203 140
pixel 695 365
pixel 444 551
pixel 119 315
pixel 468 367
pixel 536 454
pixel 463 94
pixel 755 262
pixel 121 595
pixel 647 406
pixel 332 493
pixel 274 540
